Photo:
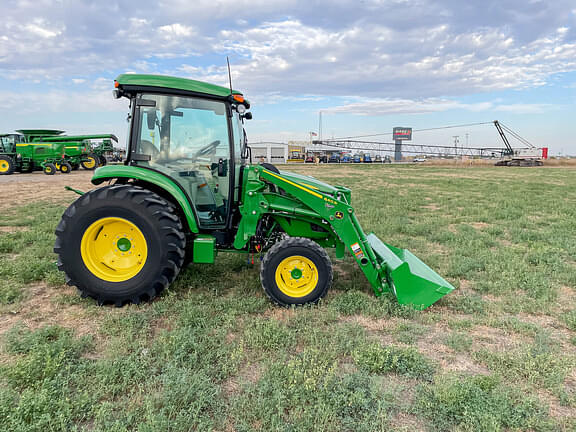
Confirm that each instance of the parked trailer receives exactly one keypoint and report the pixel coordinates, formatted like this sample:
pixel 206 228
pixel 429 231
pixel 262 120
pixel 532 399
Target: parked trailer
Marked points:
pixel 80 150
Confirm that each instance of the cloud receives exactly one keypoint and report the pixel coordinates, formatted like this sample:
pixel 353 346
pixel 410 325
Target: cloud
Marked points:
pixel 413 49
pixel 391 106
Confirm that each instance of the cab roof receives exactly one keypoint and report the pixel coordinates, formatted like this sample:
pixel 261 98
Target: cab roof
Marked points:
pixel 174 83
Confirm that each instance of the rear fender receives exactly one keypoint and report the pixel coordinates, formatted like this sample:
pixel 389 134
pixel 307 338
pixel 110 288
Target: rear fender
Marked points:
pixel 155 178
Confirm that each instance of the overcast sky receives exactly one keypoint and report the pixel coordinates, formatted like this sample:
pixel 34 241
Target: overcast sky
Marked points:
pixel 368 65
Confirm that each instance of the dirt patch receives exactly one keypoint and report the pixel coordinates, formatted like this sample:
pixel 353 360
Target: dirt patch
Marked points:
pixel 19 189
pixel 279 314
pixel 432 207
pixel 557 410
pixel 404 422
pixel 12 229
pixel 41 311
pixel 445 357
pixel 498 340
pixel 566 298
pixel 160 325
pixel 372 324
pixel 248 374
pixel 478 225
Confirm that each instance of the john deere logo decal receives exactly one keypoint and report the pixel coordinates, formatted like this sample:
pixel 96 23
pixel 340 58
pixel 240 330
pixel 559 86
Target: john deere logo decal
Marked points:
pixel 339 215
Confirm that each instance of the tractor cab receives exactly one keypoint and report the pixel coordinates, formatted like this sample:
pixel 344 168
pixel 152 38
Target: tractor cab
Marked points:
pixel 8 142
pixel 194 136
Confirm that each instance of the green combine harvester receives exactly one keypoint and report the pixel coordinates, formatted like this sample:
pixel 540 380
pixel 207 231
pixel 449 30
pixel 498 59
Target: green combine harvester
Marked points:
pixel 25 152
pixel 187 192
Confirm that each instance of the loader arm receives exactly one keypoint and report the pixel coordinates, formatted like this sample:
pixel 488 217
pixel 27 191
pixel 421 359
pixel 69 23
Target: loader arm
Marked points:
pixel 386 268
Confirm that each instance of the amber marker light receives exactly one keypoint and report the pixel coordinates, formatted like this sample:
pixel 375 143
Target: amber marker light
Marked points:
pixel 239 98
pixel 116 84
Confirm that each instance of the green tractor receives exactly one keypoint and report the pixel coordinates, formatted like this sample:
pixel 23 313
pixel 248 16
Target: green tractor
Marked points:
pixel 8 153
pixel 26 152
pixel 186 192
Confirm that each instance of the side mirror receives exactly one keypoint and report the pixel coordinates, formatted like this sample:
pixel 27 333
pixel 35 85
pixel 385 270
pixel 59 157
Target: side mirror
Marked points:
pixel 247 116
pixel 151 119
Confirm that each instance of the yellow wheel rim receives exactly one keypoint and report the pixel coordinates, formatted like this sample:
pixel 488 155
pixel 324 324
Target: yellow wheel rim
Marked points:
pixel 48 169
pixel 4 166
pixel 296 276
pixel 90 162
pixel 114 249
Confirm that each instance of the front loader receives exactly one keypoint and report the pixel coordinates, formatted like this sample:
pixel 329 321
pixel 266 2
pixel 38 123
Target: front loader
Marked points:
pixel 187 192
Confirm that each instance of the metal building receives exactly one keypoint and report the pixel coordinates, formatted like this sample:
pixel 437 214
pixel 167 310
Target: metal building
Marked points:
pixel 271 152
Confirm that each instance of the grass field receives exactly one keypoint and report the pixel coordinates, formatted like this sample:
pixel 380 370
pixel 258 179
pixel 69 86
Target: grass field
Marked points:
pixel 212 353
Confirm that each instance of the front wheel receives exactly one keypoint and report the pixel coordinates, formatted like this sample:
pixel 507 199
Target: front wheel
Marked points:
pixel 6 165
pixel 120 244
pixel 296 271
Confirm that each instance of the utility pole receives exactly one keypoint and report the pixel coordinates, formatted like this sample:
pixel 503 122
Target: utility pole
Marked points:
pixel 456 141
pixel 320 125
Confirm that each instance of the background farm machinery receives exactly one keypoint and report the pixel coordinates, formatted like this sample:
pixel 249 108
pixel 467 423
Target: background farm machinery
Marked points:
pixel 49 150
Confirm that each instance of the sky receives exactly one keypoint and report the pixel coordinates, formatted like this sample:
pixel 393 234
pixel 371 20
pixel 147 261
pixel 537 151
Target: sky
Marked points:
pixel 367 65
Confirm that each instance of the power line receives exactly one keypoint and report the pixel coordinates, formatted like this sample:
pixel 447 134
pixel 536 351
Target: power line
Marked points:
pixel 415 130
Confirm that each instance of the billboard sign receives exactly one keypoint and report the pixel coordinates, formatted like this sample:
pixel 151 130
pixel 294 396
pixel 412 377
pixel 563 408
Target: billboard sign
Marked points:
pixel 402 134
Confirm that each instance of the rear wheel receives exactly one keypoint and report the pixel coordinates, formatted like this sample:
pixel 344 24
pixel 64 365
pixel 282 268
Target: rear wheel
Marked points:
pixel 6 165
pixel 120 244
pixel 90 162
pixel 296 271
pixel 49 168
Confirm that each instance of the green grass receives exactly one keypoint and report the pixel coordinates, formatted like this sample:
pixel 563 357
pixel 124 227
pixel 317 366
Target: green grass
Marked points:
pixel 403 361
pixel 459 342
pixel 212 353
pixel 479 403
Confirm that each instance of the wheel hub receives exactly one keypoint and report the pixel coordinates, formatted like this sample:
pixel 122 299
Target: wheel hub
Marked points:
pixel 114 249
pixel 124 244
pixel 296 273
pixel 296 276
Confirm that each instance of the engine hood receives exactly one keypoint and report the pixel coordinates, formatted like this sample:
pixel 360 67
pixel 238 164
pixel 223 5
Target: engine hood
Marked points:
pixel 310 182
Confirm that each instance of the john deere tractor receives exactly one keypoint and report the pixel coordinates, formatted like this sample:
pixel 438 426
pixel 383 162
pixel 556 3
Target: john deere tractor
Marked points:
pixel 187 191
pixel 8 154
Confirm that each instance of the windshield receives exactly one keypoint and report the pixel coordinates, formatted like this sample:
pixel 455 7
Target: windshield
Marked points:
pixel 8 142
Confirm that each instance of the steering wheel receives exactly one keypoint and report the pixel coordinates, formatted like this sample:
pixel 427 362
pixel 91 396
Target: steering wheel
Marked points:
pixel 147 147
pixel 207 149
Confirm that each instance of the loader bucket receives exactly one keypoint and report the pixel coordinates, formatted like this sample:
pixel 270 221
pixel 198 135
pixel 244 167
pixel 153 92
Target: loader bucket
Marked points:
pixel 412 281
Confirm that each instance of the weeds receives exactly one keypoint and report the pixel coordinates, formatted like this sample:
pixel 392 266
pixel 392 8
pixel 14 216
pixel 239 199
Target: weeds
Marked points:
pixel 479 403
pixel 459 342
pixel 404 361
